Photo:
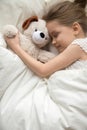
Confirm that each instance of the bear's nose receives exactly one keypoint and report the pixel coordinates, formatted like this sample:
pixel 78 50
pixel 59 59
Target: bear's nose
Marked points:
pixel 42 35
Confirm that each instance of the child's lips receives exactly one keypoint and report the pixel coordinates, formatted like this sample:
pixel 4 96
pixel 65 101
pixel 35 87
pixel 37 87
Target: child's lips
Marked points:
pixel 57 46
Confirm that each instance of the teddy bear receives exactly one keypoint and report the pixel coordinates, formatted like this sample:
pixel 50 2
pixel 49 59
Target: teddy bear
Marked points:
pixel 34 37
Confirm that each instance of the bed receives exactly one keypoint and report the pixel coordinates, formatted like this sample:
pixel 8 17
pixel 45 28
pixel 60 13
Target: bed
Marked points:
pixel 28 102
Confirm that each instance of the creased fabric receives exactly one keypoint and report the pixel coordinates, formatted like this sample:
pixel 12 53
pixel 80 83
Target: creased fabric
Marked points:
pixel 29 102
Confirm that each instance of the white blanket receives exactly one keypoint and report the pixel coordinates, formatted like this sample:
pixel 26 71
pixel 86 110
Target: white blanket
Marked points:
pixel 33 103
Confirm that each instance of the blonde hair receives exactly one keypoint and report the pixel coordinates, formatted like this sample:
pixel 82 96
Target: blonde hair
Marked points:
pixel 67 13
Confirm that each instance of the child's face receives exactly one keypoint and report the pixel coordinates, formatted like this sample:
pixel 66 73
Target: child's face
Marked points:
pixel 61 35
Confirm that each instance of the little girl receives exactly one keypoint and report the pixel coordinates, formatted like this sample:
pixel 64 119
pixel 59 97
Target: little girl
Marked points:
pixel 67 26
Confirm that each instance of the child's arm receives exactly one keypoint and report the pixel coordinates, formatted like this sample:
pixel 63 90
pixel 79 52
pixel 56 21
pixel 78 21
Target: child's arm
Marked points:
pixel 67 57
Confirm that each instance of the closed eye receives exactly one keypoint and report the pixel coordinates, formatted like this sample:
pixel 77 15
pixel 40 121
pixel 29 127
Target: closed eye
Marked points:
pixel 55 34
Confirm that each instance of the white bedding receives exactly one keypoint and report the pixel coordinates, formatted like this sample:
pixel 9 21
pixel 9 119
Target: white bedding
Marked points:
pixel 28 102
pixel 33 103
pixel 16 11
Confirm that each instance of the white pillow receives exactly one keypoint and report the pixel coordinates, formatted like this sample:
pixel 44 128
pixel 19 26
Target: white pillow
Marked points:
pixel 2 41
pixel 16 11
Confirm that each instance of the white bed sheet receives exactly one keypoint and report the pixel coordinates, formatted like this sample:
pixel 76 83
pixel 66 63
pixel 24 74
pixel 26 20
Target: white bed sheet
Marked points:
pixel 16 11
pixel 29 102
pixel 33 103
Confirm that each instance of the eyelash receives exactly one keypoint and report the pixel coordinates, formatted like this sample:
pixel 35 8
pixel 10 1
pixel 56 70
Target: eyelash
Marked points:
pixel 55 35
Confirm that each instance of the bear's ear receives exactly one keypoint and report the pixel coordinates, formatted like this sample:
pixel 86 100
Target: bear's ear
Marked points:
pixel 27 22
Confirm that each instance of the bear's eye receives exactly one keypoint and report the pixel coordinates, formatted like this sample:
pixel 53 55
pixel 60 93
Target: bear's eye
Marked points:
pixel 35 29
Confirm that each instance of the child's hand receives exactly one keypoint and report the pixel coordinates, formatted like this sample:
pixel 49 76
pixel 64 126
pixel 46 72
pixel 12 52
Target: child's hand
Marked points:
pixel 13 42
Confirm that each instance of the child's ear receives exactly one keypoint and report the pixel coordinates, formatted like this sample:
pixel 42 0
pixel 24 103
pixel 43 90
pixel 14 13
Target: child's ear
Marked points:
pixel 76 28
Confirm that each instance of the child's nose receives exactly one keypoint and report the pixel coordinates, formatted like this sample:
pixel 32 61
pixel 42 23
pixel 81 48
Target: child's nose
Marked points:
pixel 53 41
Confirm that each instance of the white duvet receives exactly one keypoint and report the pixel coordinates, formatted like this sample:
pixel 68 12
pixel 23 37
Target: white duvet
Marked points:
pixel 29 102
